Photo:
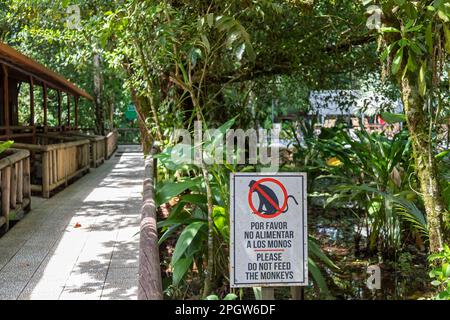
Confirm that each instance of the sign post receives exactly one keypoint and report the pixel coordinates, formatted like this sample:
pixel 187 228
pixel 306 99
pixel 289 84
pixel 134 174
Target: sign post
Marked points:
pixel 268 231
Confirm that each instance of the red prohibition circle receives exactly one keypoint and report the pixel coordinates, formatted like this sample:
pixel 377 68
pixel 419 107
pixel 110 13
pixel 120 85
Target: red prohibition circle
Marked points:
pixel 279 210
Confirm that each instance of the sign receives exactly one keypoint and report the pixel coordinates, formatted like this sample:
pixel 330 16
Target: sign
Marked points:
pixel 131 113
pixel 268 230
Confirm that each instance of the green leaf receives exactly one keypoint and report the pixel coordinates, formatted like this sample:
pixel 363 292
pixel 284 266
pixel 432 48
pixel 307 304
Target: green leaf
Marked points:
pixel 392 118
pixel 206 43
pixel 257 292
pixel 317 276
pixel 389 30
pixel 412 66
pixel 220 219
pixel 436 283
pixel 172 189
pixel 314 249
pixel 422 79
pixel 186 238
pixel 443 16
pixel 5 145
pixel 230 296
pixel 442 154
pixel 180 268
pixel 429 37
pixel 212 297
pixel 397 62
pixel 387 51
pixel 210 19
pixel 447 38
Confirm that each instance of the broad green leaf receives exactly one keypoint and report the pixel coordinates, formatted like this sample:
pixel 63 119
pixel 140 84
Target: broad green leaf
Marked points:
pixel 173 189
pixel 212 297
pixel 392 118
pixel 443 16
pixel 185 239
pixel 314 249
pixel 317 276
pixel 397 62
pixel 412 66
pixel 180 268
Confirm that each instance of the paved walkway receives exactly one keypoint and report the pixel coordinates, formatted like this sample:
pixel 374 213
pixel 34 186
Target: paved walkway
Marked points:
pixel 83 242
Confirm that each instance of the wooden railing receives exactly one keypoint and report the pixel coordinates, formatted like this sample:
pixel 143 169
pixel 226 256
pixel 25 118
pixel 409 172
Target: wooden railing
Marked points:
pixel 111 143
pixel 150 283
pixel 55 161
pixel 97 145
pixel 15 132
pixel 15 186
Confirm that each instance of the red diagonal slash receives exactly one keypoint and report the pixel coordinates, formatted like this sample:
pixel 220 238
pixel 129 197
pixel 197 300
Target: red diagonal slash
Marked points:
pixel 265 195
pixel 271 201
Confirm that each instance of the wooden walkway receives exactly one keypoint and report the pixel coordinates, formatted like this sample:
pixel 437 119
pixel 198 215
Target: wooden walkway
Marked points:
pixel 82 243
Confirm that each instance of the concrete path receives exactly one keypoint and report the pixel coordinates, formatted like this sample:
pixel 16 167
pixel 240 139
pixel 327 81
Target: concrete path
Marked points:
pixel 83 242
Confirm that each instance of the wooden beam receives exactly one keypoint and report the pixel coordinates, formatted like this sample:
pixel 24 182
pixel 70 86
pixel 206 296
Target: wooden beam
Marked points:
pixel 76 111
pixel 5 98
pixel 59 109
pixel 44 87
pixel 31 101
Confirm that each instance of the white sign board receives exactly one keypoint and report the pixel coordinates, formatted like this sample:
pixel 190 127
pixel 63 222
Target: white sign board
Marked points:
pixel 268 230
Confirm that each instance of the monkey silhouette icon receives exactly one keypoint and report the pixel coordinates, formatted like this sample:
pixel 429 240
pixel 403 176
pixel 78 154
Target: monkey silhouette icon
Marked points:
pixel 265 206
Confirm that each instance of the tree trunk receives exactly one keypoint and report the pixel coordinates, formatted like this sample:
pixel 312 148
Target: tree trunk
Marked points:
pixel 98 92
pixel 418 126
pixel 146 137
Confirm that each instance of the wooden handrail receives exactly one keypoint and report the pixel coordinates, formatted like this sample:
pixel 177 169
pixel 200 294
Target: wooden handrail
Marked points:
pixel 150 283
pixel 17 155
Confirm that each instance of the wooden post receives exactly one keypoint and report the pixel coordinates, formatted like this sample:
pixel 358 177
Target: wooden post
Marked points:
pixel 5 99
pixel 44 87
pixel 298 293
pixel 76 112
pixel 59 110
pixel 31 101
pixel 6 180
pixel 55 166
pixel 26 179
pixel 150 283
pixel 267 293
pixel 13 193
pixel 20 182
pixel 68 111
pixel 45 175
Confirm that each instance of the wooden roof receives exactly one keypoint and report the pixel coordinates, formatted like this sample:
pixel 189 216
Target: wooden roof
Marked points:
pixel 24 67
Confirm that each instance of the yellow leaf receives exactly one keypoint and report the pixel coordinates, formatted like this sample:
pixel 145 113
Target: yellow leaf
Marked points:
pixel 334 162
